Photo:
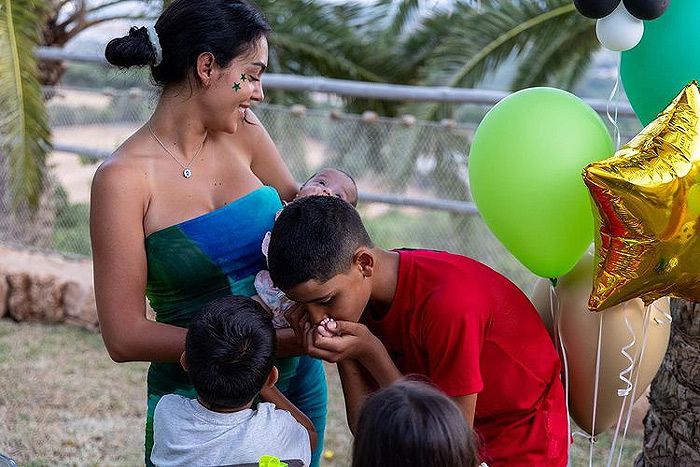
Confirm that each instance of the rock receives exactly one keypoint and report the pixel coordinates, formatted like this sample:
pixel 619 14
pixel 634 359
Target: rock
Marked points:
pixel 35 298
pixel 3 295
pixel 47 288
pixel 79 305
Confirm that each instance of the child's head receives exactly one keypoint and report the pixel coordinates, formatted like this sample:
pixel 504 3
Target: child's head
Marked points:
pixel 230 349
pixel 320 254
pixel 411 423
pixel 330 182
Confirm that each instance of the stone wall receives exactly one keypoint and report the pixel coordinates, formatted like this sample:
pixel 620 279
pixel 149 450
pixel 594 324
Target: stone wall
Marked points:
pixel 47 288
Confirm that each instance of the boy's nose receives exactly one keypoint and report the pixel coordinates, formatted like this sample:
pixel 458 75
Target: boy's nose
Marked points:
pixel 316 313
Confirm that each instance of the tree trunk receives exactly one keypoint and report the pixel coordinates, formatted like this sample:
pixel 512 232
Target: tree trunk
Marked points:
pixel 672 426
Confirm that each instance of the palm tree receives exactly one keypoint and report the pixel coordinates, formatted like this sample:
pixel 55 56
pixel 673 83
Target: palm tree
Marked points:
pixel 24 133
pixel 671 426
pixel 62 20
pixel 547 42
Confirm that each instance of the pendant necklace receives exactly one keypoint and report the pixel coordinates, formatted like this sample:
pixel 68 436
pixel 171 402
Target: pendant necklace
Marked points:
pixel 186 169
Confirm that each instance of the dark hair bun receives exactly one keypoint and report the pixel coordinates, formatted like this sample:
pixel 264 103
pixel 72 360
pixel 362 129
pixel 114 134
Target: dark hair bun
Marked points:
pixel 134 49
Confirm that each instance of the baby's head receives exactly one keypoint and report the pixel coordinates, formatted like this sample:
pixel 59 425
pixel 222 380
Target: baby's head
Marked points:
pixel 330 182
pixel 229 352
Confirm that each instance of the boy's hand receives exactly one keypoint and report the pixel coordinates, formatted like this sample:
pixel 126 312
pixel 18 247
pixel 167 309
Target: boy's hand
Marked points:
pixel 351 340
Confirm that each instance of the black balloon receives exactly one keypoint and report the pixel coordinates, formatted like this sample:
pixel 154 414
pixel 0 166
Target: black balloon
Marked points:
pixel 596 9
pixel 646 9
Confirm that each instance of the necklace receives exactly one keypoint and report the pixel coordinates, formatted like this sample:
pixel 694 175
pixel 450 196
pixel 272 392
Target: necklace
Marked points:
pixel 186 169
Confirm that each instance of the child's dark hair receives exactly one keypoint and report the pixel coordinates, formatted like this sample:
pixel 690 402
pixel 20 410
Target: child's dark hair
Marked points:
pixel 314 238
pixel 225 28
pixel 230 349
pixel 411 423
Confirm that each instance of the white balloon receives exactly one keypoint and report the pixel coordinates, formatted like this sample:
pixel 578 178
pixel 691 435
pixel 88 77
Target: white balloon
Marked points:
pixel 619 31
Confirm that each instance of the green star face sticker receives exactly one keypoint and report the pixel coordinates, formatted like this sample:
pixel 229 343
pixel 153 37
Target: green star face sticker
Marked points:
pixel 236 86
pixel 244 77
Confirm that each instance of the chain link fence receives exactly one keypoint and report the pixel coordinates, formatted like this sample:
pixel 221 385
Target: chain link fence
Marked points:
pixel 401 159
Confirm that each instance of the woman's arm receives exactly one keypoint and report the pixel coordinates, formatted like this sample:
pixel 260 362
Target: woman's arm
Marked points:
pixel 116 228
pixel 266 162
pixel 275 396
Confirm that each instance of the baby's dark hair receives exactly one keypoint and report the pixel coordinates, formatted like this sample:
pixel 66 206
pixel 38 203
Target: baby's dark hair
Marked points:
pixel 225 28
pixel 314 238
pixel 230 349
pixel 412 423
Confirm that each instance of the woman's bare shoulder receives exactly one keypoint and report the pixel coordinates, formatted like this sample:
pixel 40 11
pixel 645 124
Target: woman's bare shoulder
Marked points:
pixel 250 131
pixel 126 170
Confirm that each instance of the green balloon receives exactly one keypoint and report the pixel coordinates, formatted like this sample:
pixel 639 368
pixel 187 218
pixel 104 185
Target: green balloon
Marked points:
pixel 525 169
pixel 667 58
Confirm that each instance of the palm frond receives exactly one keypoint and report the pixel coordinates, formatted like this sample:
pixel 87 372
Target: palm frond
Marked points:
pixel 315 38
pixel 581 53
pixel 321 60
pixel 404 13
pixel 24 132
pixel 548 55
pixel 480 40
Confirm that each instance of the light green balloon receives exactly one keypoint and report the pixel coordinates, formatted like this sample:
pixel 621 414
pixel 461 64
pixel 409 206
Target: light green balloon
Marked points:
pixel 525 170
pixel 667 58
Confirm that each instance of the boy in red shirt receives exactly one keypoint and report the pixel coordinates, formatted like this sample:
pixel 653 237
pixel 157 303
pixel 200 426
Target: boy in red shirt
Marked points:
pixel 380 314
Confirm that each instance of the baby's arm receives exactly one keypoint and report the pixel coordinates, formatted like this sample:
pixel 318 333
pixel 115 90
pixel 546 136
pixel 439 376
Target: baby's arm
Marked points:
pixel 275 396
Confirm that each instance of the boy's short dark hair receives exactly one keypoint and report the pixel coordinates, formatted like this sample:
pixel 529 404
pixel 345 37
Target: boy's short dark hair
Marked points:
pixel 230 349
pixel 314 238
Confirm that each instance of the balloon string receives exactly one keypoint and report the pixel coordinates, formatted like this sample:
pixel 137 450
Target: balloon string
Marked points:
pixel 627 371
pixel 623 392
pixel 647 315
pixel 613 118
pixel 554 305
pixel 669 318
pixel 595 390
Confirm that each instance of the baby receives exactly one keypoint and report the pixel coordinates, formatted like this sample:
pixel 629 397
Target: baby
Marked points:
pixel 325 182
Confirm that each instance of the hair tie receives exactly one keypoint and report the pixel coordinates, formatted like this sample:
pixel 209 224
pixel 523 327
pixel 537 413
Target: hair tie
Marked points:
pixel 155 41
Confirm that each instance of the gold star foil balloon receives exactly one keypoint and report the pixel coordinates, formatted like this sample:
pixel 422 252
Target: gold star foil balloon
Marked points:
pixel 647 197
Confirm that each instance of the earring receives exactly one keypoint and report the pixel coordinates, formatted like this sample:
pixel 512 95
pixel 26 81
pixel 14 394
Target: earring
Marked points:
pixel 236 86
pixel 244 77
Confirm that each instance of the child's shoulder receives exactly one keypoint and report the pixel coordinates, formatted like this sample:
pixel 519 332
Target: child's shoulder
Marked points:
pixel 170 402
pixel 279 418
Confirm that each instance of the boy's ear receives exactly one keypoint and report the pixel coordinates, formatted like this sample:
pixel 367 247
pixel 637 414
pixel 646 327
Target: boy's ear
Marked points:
pixel 364 261
pixel 272 377
pixel 183 361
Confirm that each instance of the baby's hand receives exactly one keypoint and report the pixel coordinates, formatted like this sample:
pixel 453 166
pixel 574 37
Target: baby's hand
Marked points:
pixel 327 327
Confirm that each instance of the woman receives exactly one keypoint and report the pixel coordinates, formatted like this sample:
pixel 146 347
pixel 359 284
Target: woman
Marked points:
pixel 179 211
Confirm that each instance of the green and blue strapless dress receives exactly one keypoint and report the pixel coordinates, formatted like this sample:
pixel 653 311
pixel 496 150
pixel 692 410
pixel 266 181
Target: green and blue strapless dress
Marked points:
pixel 211 256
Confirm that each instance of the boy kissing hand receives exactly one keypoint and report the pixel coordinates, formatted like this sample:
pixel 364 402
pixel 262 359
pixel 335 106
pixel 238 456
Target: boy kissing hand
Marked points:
pixel 334 341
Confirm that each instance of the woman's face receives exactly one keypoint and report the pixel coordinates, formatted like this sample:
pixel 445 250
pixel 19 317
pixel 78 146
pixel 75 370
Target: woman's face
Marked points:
pixel 233 89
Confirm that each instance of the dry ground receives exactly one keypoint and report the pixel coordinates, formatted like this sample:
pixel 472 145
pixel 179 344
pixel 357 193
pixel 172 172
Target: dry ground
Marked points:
pixel 64 402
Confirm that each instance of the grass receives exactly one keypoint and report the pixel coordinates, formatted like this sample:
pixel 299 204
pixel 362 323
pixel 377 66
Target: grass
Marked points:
pixel 64 402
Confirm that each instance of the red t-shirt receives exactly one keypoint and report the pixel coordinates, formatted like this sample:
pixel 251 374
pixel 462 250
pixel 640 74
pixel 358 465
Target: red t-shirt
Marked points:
pixel 471 330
